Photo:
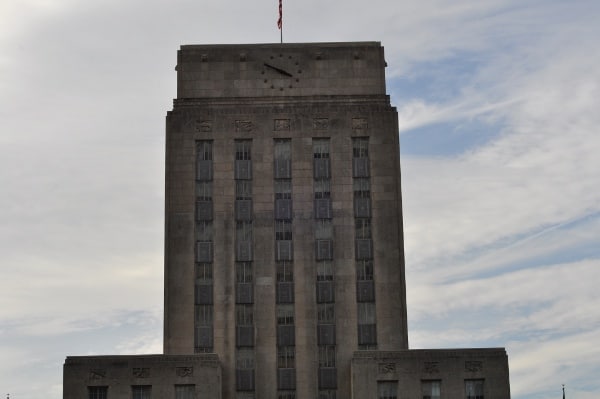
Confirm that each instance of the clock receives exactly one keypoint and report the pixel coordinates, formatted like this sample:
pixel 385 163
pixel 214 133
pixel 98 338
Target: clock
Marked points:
pixel 281 71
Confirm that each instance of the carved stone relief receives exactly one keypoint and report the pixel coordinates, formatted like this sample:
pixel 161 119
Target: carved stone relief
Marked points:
pixel 243 126
pixel 97 374
pixel 387 368
pixel 321 123
pixel 431 367
pixel 204 126
pixel 473 365
pixel 184 371
pixel 141 372
pixel 359 123
pixel 281 124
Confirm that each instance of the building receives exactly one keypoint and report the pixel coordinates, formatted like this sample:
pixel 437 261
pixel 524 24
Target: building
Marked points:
pixel 284 260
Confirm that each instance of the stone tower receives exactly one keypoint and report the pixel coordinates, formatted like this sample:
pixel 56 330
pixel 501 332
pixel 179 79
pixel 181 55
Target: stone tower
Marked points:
pixel 284 248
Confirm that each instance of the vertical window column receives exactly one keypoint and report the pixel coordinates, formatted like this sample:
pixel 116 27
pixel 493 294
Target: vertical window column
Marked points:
pixel 363 245
pixel 244 255
pixel 286 339
pixel 325 288
pixel 203 289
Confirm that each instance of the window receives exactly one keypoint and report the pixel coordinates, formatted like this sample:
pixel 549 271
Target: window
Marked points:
pixel 204 273
pixel 283 230
pixel 286 357
pixel 244 315
pixel 364 270
pixel 97 392
pixel 204 315
pixel 243 272
pixel 286 395
pixel 285 272
pixel 430 389
pixel 283 149
pixel 203 161
pixel 361 187
pixel 242 150
pixel 285 315
pixel 321 148
pixel 366 313
pixel 283 189
pixel 363 228
pixel 323 229
pixel 244 231
pixel 243 189
pixel 245 359
pixel 322 189
pixel 327 356
pixel 327 394
pixel 360 147
pixel 474 389
pixel 387 389
pixel 283 159
pixel 325 313
pixel 324 271
pixel 204 230
pixel 185 391
pixel 204 191
pixel 204 150
pixel 141 391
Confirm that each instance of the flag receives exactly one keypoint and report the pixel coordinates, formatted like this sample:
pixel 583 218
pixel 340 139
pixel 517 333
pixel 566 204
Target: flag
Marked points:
pixel 280 20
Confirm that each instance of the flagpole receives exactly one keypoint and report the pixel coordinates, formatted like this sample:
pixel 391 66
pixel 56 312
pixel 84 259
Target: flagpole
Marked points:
pixel 280 21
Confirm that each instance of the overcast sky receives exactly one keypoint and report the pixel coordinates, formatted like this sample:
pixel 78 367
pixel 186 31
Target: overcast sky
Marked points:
pixel 499 113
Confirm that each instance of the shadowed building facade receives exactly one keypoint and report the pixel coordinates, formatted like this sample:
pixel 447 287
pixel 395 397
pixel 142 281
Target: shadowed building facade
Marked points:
pixel 284 260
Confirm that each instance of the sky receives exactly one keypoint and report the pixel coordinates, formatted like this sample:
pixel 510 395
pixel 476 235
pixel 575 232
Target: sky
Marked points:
pixel 499 133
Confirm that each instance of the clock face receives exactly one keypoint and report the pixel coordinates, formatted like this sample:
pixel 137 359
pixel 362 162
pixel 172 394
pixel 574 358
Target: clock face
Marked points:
pixel 281 71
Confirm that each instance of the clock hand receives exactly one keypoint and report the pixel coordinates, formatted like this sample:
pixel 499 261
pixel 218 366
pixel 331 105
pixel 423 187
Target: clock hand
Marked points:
pixel 281 71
